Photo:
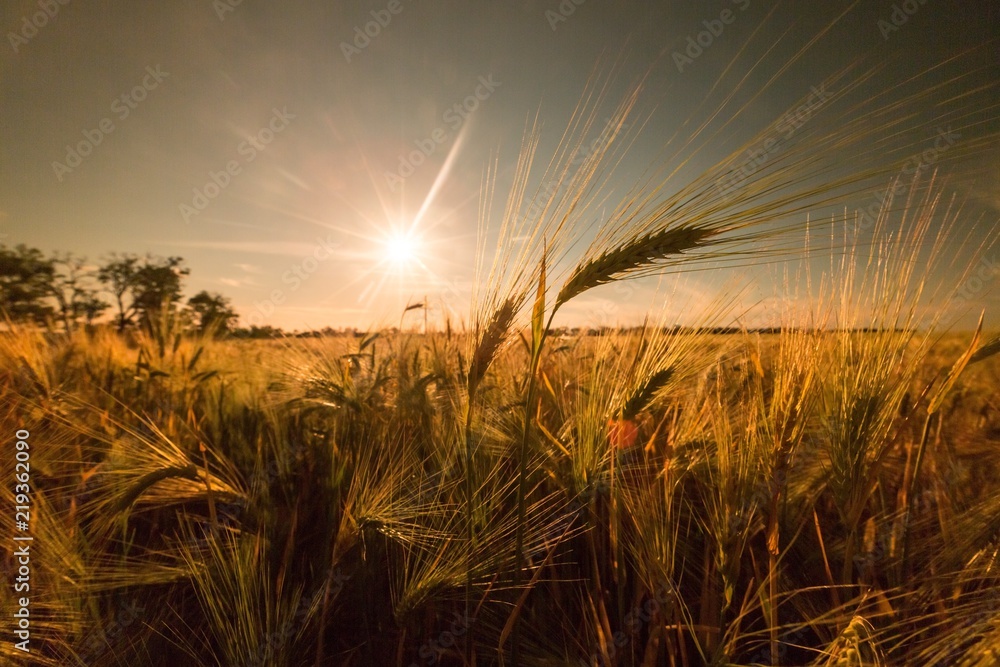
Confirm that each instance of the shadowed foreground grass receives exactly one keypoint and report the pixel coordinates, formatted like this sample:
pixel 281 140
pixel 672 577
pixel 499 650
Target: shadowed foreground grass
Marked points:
pixel 691 499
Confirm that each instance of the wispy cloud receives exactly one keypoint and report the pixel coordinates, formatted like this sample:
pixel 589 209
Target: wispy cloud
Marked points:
pixel 286 248
pixel 294 179
pixel 247 268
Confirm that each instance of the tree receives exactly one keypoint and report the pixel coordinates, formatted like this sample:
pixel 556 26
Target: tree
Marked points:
pixel 71 287
pixel 119 276
pixel 213 311
pixel 255 332
pixel 142 287
pixel 92 307
pixel 157 286
pixel 25 277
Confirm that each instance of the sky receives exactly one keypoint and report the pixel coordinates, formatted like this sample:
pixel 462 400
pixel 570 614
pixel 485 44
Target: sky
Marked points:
pixel 324 163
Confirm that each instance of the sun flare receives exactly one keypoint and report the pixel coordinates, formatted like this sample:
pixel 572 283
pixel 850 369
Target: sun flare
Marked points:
pixel 400 249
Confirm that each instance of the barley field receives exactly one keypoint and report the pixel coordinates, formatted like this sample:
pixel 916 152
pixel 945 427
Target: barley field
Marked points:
pixel 639 497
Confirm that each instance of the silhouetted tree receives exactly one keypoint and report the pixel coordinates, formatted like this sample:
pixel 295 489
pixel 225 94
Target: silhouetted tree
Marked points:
pixel 158 285
pixel 119 276
pixel 213 311
pixel 92 307
pixel 25 277
pixel 73 286
pixel 142 287
pixel 254 331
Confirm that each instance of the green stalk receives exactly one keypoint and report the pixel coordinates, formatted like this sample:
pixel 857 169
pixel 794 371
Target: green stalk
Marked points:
pixel 469 490
pixel 772 574
pixel 538 343
pixel 910 488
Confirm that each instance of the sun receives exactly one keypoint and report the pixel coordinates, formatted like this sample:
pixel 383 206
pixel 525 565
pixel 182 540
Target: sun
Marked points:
pixel 401 250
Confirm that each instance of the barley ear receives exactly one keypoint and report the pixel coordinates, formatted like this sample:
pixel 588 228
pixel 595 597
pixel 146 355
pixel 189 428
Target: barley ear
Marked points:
pixel 987 350
pixel 632 256
pixel 643 395
pixel 957 369
pixel 489 344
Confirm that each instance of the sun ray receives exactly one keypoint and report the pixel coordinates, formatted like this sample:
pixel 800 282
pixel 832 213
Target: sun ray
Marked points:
pixel 442 175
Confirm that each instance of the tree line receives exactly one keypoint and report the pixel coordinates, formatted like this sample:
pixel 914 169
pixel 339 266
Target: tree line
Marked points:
pixel 65 290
